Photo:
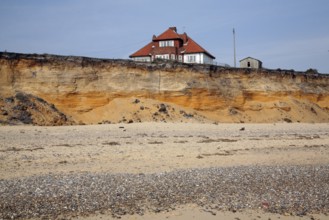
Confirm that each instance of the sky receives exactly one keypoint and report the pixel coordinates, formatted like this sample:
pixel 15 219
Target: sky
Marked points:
pixel 285 34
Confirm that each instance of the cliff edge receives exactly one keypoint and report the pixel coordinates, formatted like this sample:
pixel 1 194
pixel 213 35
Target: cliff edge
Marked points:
pixel 88 90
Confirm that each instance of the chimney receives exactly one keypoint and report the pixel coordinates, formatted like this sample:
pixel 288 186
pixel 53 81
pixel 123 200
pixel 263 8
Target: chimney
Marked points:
pixel 174 29
pixel 184 37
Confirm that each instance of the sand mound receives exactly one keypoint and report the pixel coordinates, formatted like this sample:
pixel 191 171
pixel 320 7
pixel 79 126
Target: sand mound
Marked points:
pixel 285 110
pixel 28 109
pixel 130 110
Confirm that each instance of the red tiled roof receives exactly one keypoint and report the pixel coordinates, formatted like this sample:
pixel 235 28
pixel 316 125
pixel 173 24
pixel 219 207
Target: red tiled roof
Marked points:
pixel 145 51
pixel 192 47
pixel 189 45
pixel 169 34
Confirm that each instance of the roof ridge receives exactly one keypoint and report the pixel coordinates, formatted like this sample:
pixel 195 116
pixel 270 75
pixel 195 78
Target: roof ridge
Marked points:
pixel 169 34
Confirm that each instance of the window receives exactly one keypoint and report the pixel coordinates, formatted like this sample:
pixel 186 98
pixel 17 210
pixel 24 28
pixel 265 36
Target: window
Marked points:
pixel 180 58
pixel 142 59
pixel 167 43
pixel 164 57
pixel 248 64
pixel 191 58
pixel 173 56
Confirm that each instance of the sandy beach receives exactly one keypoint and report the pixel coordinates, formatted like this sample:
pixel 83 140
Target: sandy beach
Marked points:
pixel 146 151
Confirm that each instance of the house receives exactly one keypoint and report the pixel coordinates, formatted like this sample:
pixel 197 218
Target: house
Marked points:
pixel 173 46
pixel 250 62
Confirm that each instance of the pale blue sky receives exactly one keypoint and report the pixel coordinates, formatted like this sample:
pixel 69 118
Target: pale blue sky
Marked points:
pixel 286 34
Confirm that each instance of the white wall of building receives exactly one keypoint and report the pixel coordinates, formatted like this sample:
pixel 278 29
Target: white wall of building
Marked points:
pixel 192 58
pixel 188 58
pixel 250 62
pixel 162 56
pixel 142 59
pixel 207 59
pixel 201 58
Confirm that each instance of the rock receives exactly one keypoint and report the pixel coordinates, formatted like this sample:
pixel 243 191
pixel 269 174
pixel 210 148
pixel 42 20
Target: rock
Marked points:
pixel 4 112
pixel 9 100
pixel 163 108
pixel 233 111
pixel 136 101
pixel 188 115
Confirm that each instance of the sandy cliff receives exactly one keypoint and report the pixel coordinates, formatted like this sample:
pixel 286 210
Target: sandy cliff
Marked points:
pixel 97 90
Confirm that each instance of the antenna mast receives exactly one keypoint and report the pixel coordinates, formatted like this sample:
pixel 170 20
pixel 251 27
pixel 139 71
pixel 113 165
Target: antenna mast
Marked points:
pixel 234 47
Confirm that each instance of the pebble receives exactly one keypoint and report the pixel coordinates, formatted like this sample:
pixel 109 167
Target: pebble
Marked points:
pixel 299 190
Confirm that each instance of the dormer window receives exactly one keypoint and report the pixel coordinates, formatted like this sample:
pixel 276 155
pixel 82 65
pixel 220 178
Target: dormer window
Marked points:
pixel 167 43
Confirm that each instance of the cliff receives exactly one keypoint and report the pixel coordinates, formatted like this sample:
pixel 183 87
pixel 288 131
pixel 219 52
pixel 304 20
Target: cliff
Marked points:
pixel 88 90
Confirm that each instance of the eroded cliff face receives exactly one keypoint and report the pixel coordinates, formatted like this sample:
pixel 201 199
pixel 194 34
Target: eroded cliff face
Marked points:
pixel 91 90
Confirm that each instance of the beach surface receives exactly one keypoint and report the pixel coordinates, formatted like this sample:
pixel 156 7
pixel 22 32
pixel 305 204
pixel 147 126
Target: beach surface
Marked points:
pixel 165 171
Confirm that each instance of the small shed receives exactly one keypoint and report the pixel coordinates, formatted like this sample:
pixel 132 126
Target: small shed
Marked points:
pixel 250 62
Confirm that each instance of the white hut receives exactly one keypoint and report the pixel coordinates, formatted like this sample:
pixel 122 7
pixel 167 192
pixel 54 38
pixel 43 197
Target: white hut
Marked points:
pixel 250 62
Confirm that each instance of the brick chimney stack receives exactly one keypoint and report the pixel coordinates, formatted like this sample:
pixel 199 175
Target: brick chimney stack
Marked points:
pixel 174 29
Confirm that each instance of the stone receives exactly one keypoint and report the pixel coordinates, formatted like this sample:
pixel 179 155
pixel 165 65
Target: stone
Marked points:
pixel 162 108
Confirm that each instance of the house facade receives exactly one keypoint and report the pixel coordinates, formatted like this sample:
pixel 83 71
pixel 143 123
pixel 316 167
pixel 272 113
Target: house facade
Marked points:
pixel 250 62
pixel 173 46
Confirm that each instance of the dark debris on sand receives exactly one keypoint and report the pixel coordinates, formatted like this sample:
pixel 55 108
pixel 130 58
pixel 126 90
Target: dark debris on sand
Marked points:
pixel 297 190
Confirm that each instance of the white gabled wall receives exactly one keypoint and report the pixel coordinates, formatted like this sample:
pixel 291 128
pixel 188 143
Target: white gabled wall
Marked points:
pixel 201 58
pixel 192 58
pixel 207 59
pixel 250 62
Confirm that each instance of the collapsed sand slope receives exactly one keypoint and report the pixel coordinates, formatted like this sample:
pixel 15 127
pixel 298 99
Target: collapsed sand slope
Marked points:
pixel 91 90
pixel 33 110
pixel 158 147
pixel 283 109
pixel 130 110
pixel 27 109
